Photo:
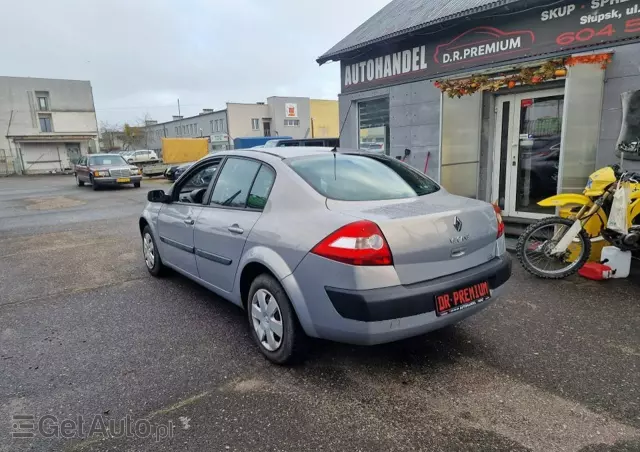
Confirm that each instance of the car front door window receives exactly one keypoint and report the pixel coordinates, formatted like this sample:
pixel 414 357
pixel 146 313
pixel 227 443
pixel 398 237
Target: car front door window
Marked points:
pixel 193 189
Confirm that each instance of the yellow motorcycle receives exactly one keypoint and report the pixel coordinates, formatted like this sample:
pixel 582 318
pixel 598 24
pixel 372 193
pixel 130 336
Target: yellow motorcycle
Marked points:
pixel 557 247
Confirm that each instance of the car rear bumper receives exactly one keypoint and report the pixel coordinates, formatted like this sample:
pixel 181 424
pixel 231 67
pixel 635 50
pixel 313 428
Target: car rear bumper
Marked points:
pixel 391 313
pixel 396 302
pixel 104 181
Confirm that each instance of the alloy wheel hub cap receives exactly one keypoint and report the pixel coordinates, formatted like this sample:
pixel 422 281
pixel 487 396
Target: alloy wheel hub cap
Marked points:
pixel 267 319
pixel 148 250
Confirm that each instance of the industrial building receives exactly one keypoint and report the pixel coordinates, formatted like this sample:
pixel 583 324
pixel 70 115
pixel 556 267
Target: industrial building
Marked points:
pixel 46 124
pixel 297 117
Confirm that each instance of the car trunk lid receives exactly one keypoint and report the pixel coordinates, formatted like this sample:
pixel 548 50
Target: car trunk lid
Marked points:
pixel 432 235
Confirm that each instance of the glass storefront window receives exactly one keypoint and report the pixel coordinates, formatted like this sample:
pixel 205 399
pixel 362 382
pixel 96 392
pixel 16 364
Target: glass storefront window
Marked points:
pixel 539 152
pixel 373 125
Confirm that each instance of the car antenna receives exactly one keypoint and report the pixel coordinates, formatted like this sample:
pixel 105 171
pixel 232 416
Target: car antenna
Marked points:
pixel 335 148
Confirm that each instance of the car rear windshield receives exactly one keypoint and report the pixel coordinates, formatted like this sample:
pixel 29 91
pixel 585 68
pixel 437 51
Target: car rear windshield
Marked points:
pixel 107 160
pixel 357 177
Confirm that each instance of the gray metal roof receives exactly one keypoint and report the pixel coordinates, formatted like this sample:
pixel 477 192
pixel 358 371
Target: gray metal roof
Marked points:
pixel 404 16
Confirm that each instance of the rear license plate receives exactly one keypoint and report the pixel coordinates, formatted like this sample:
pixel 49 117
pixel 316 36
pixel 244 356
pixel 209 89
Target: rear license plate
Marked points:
pixel 459 299
pixel 123 180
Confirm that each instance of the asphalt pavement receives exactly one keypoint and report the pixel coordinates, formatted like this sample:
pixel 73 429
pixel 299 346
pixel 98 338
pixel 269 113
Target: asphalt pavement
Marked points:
pixel 86 333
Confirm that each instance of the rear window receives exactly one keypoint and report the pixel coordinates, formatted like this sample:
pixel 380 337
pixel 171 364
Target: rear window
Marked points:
pixel 354 177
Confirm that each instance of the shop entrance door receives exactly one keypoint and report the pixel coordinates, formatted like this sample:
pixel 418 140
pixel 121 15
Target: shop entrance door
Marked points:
pixel 527 151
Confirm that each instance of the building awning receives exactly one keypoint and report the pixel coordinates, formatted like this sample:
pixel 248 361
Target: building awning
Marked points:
pixel 58 138
pixel 404 17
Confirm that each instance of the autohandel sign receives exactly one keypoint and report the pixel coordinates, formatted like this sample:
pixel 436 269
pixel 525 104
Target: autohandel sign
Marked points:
pixel 572 26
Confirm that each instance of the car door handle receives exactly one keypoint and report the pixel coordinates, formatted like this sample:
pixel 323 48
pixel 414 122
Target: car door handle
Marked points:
pixel 188 221
pixel 235 229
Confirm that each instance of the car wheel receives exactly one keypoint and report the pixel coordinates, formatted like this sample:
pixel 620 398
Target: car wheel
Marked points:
pixel 273 322
pixel 79 182
pixel 150 253
pixel 94 185
pixel 136 185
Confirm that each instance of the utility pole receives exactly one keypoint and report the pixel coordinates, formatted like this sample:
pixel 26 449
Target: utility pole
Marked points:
pixel 179 116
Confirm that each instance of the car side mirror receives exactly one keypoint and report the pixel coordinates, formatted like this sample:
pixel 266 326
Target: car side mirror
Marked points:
pixel 158 196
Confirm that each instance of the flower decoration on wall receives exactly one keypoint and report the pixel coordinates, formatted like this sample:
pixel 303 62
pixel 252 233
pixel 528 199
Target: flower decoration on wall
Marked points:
pixel 549 70
pixel 603 59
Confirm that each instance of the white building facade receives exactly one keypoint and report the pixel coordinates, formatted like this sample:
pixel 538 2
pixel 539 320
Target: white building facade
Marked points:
pixel 46 124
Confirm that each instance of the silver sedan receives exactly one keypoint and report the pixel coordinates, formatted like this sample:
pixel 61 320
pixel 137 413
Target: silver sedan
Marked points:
pixel 343 245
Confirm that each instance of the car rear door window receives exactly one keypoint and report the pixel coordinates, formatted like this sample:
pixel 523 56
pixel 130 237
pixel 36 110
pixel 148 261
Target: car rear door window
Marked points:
pixel 357 177
pixel 234 183
pixel 261 188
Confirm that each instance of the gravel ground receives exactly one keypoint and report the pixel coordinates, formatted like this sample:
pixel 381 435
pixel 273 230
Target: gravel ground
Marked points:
pixel 85 331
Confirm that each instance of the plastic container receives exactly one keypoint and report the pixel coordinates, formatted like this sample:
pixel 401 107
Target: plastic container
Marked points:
pixel 619 261
pixel 595 271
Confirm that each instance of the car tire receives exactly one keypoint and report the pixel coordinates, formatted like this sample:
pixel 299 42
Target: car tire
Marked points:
pixel 79 182
pixel 291 346
pixel 152 261
pixel 94 185
pixel 136 185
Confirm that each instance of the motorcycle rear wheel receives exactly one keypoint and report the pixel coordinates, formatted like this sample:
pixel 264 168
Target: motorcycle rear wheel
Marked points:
pixel 531 257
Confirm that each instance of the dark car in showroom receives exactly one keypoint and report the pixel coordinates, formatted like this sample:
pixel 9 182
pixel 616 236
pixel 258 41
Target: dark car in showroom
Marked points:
pixel 106 170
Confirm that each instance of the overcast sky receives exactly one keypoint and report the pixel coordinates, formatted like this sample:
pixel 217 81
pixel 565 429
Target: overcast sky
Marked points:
pixel 142 55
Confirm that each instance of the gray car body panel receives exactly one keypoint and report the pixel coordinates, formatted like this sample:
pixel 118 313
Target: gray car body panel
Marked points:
pixel 295 218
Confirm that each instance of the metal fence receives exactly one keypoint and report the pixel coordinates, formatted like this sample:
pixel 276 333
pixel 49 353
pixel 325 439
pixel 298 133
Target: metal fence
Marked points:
pixel 8 164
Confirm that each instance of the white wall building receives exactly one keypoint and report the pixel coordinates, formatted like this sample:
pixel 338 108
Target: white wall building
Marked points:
pixel 45 124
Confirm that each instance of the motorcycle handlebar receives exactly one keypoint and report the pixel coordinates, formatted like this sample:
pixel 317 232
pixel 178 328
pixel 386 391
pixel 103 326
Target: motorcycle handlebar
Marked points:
pixel 628 175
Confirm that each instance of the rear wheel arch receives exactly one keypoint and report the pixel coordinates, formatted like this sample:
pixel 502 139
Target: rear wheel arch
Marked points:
pixel 267 261
pixel 249 273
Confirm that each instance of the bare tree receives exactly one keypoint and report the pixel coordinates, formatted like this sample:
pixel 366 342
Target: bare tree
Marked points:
pixel 115 137
pixel 144 122
pixel 111 136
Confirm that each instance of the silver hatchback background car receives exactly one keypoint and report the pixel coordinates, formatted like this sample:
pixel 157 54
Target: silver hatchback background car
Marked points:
pixel 342 245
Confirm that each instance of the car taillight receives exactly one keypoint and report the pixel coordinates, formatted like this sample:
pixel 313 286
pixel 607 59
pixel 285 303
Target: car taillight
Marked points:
pixel 498 211
pixel 359 243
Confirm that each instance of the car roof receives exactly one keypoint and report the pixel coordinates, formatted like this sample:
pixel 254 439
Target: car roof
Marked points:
pixel 104 154
pixel 285 152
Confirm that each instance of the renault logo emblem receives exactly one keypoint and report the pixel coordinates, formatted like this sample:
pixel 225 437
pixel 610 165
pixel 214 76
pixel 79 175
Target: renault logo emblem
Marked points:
pixel 457 223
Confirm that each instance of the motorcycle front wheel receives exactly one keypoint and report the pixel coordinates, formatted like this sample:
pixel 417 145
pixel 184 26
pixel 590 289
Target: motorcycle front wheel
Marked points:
pixel 538 240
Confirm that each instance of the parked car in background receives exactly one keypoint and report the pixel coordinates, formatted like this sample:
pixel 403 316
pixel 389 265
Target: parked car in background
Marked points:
pixel 249 142
pixel 349 246
pixel 181 169
pixel 101 170
pixel 174 171
pixel 142 156
pixel 312 142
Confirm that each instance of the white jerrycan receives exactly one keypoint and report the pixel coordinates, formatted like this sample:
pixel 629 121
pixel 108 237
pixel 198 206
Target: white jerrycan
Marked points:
pixel 619 261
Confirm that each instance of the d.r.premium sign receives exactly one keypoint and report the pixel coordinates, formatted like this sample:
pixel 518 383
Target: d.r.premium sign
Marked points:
pixel 572 26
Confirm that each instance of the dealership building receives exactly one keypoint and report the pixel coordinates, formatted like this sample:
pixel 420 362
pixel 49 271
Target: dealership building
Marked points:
pixel 507 100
